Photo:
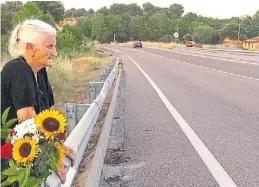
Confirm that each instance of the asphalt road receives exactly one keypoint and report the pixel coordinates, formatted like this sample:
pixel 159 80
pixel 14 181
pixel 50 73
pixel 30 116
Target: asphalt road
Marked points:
pixel 237 54
pixel 216 141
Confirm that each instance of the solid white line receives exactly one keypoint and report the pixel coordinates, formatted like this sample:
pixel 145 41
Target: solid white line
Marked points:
pixel 218 172
pixel 211 69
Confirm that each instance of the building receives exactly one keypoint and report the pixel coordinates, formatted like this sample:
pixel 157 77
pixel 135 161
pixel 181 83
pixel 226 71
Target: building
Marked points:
pixel 251 44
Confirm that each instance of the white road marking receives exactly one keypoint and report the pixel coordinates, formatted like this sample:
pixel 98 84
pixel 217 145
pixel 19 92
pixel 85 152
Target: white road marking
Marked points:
pixel 218 172
pixel 204 56
pixel 211 69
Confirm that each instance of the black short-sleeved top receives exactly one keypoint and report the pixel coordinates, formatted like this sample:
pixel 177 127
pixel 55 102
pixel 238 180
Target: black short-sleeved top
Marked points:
pixel 19 88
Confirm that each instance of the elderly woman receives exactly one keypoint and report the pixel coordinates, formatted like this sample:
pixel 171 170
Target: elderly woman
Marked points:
pixel 24 80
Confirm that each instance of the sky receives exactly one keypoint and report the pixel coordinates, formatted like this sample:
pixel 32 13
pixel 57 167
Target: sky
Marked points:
pixel 210 8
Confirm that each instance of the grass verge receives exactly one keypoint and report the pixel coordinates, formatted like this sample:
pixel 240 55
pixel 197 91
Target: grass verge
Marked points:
pixel 152 44
pixel 69 78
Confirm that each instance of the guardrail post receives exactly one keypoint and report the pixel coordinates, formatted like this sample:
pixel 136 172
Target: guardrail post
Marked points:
pixel 74 112
pixel 81 110
pixel 70 113
pixel 94 90
pixel 108 70
pixel 103 76
pixel 111 65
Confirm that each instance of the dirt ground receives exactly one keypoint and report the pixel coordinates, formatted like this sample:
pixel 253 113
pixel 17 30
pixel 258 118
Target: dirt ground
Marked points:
pixel 72 85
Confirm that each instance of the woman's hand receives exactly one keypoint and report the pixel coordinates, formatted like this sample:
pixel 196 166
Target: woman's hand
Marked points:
pixel 62 173
pixel 71 154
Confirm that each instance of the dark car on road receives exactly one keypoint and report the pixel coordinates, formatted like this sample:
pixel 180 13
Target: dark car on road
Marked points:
pixel 137 44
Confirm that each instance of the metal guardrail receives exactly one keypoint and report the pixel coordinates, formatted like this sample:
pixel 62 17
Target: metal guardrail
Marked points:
pixel 80 133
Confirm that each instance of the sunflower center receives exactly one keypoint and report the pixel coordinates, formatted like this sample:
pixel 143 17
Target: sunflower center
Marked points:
pixel 51 124
pixel 25 149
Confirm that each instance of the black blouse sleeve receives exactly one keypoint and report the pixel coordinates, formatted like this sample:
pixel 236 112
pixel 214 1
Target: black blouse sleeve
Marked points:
pixel 49 88
pixel 51 96
pixel 22 90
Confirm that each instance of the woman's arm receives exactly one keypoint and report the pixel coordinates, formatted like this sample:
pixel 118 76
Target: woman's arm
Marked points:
pixel 25 113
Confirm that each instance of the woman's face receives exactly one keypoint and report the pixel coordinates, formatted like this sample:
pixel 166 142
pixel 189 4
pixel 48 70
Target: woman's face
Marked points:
pixel 46 51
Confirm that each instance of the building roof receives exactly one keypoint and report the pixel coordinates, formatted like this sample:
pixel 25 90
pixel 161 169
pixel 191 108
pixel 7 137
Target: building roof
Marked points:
pixel 252 40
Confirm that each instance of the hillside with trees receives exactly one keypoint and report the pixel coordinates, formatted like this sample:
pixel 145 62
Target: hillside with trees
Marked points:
pixel 152 23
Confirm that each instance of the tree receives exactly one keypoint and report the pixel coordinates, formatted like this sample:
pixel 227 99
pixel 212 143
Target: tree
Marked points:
pixel 138 28
pixel 54 8
pixel 69 13
pixel 191 17
pixel 230 31
pixel 30 10
pixel 79 12
pixel 115 24
pixel 187 37
pixel 159 26
pixel 85 26
pixel 104 11
pixel 250 26
pixel 90 12
pixel 118 8
pixel 175 10
pixel 204 34
pixel 133 9
pixel 8 10
pixel 99 30
pixel 78 36
pixel 149 9
pixel 66 41
pixel 254 30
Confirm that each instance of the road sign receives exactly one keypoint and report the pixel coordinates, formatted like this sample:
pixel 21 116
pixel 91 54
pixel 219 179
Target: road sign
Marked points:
pixel 176 35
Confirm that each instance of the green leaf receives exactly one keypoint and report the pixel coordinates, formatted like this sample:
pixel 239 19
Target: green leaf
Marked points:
pixel 23 178
pixel 44 170
pixel 10 123
pixel 5 183
pixel 11 163
pixel 33 182
pixel 20 176
pixel 4 116
pixel 4 132
pixel 53 162
pixel 3 176
pixel 11 171
pixel 12 178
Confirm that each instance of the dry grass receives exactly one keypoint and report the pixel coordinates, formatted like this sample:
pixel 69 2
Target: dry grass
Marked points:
pixel 159 44
pixel 69 78
pixel 165 45
pixel 152 44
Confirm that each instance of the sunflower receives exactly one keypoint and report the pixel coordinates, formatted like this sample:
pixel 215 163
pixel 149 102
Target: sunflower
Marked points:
pixel 61 153
pixel 50 123
pixel 24 149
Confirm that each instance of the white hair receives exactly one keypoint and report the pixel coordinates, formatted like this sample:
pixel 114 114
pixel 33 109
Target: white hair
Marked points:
pixel 30 31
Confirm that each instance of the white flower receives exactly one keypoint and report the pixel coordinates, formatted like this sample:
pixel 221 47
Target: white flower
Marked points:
pixel 26 127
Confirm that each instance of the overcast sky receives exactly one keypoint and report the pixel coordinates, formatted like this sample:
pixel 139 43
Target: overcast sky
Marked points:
pixel 210 8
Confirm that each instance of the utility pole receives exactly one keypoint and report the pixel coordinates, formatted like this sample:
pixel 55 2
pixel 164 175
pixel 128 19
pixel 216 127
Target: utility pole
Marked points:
pixel 114 37
pixel 239 27
pixel 178 33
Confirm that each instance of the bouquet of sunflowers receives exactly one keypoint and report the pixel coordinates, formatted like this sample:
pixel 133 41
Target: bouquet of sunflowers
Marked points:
pixel 33 148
